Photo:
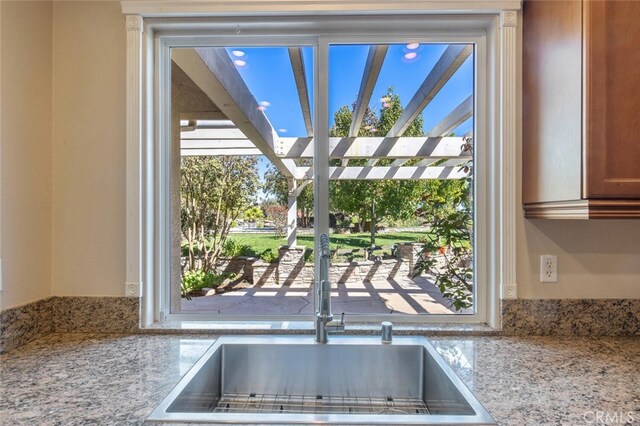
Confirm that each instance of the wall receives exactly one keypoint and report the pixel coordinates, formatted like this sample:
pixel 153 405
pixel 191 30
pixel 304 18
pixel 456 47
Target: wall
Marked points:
pixel 89 149
pixel 26 170
pixel 596 259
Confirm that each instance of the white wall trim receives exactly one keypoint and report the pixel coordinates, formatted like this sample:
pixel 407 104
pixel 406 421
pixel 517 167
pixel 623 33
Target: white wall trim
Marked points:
pixel 162 8
pixel 508 144
pixel 134 141
pixel 142 205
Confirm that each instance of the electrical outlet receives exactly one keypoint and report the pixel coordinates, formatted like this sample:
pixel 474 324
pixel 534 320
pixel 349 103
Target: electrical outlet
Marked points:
pixel 132 290
pixel 548 268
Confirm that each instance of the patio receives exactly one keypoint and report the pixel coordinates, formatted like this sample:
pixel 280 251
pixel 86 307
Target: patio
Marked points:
pixel 400 295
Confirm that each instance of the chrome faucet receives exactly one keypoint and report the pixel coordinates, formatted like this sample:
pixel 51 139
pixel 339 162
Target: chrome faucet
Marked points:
pixel 324 317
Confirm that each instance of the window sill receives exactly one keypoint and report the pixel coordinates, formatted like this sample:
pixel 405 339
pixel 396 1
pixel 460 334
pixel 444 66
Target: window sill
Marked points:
pixel 307 327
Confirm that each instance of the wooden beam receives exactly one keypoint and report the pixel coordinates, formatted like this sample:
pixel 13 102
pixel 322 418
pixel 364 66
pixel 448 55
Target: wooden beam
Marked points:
pixel 376 147
pixel 203 115
pixel 427 162
pixel 372 68
pixel 216 143
pixel 455 162
pixel 214 72
pixel 399 162
pixel 217 152
pixel 379 173
pixel 455 118
pixel 188 133
pixel 304 184
pixel 452 58
pixel 297 64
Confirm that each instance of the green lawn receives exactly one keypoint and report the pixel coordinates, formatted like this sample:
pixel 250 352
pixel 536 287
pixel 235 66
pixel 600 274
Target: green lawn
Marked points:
pixel 261 242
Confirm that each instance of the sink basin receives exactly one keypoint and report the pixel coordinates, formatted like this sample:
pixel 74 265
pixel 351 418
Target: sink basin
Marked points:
pixel 294 380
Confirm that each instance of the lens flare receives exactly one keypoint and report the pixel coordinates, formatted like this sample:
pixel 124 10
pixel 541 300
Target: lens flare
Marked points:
pixel 282 130
pixel 386 105
pixel 413 46
pixel 240 63
pixel 410 55
pixel 265 103
pixel 238 53
pixel 261 108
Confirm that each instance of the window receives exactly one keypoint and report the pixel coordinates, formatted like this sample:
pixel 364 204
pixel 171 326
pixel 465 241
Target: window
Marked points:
pixel 324 37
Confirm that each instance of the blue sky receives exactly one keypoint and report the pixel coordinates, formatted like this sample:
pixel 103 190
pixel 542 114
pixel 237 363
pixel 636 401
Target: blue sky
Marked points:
pixel 267 72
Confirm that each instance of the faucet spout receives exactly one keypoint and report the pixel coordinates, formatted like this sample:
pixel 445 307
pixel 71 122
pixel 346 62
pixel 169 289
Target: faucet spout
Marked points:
pixel 324 318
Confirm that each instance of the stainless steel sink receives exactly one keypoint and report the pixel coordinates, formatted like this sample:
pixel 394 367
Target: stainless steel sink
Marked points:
pixel 294 380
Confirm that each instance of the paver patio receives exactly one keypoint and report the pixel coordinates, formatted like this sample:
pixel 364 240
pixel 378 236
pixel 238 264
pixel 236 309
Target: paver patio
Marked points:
pixel 398 295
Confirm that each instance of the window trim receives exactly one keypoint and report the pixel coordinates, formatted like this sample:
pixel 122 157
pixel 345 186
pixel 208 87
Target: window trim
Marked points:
pixel 147 218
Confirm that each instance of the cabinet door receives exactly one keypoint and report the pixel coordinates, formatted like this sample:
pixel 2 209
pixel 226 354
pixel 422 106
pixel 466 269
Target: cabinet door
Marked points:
pixel 612 99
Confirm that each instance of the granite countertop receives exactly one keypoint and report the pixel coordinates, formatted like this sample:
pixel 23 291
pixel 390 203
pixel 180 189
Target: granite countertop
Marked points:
pixel 118 379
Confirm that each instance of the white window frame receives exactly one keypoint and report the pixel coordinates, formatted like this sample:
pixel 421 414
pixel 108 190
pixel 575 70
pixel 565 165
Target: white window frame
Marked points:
pixel 493 30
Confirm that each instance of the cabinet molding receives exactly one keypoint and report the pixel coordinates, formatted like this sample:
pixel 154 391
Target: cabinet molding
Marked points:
pixel 581 97
pixel 584 209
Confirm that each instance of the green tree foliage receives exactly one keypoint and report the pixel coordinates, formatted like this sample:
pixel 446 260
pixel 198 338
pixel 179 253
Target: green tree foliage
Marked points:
pixel 253 213
pixel 447 253
pixel 275 185
pixel 375 200
pixel 213 193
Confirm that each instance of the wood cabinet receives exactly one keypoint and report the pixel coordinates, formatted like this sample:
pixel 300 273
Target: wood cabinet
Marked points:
pixel 581 109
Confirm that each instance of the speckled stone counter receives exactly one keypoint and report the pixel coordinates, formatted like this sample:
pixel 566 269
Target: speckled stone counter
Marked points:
pixel 71 378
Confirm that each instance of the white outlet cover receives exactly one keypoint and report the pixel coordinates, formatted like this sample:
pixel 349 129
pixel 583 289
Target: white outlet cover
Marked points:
pixel 548 268
pixel 132 290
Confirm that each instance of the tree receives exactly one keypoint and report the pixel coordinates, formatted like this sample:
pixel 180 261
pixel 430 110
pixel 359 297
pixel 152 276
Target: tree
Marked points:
pixel 213 192
pixel 277 186
pixel 277 213
pixel 253 213
pixel 452 238
pixel 375 200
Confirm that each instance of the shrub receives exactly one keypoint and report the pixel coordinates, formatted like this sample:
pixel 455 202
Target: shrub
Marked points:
pixel 269 256
pixel 453 275
pixel 233 249
pixel 278 214
pixel 197 280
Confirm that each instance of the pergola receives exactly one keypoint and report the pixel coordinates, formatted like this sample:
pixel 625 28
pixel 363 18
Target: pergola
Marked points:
pixel 218 117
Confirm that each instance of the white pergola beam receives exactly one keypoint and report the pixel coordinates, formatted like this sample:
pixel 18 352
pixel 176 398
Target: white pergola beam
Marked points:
pixel 297 65
pixel 379 173
pixel 202 115
pixel 304 184
pixel 292 213
pixel 452 58
pixel 372 68
pixel 376 147
pixel 198 133
pixel 427 162
pixel 214 73
pixel 399 162
pixel 216 143
pixel 185 152
pixel 454 162
pixel 455 118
